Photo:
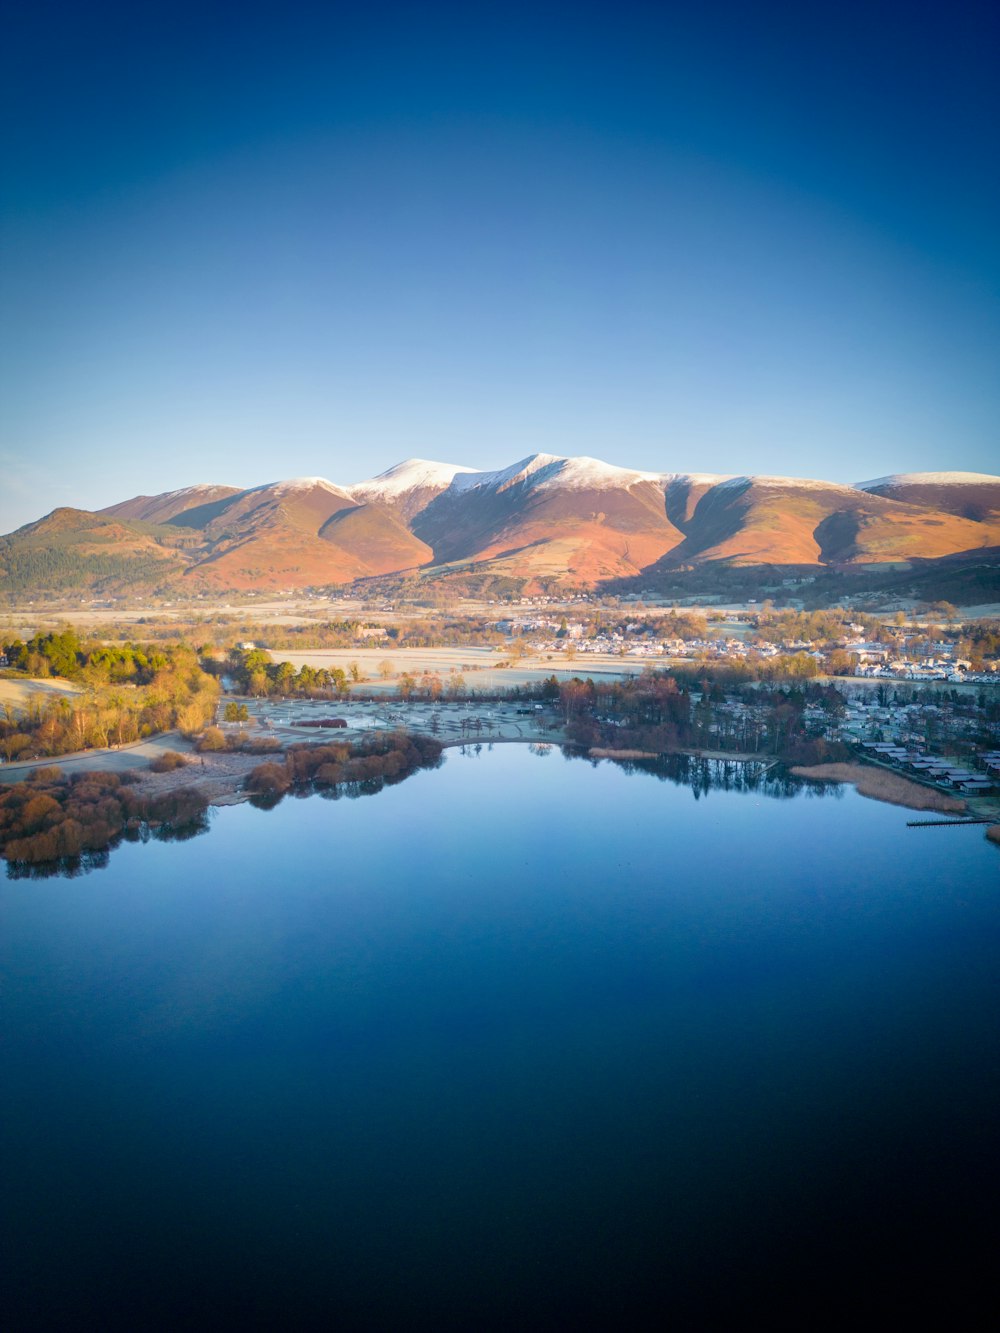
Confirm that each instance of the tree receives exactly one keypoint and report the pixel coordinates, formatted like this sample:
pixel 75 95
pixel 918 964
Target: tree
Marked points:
pixel 283 677
pixel 385 669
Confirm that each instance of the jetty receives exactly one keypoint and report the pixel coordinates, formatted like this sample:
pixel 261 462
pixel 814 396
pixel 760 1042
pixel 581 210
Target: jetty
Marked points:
pixel 939 823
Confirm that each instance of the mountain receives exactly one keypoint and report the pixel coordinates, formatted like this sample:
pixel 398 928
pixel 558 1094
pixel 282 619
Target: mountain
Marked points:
pixel 73 549
pixel 189 508
pixel 790 521
pixel 571 519
pixel 408 487
pixel 974 495
pixel 544 521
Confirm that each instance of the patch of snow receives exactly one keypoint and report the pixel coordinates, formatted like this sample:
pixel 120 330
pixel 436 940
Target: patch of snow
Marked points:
pixel 299 484
pixel 203 488
pixel 699 478
pixel 929 479
pixel 526 467
pixel 412 475
pixel 578 473
pixel 798 483
pixel 591 474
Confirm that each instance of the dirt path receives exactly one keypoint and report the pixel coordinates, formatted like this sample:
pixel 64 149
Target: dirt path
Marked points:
pixel 139 754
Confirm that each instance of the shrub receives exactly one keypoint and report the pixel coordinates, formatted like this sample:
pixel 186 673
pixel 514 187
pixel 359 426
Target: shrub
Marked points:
pixel 168 761
pixel 268 779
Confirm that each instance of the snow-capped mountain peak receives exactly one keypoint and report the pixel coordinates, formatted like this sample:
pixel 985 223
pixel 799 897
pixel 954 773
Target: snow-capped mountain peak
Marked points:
pixel 519 471
pixel 413 474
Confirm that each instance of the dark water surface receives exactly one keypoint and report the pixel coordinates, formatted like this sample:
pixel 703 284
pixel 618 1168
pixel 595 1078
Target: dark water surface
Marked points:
pixel 520 1042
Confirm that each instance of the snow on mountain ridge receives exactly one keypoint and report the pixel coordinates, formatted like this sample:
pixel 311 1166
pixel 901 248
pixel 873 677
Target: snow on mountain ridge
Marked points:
pixel 200 488
pixel 524 467
pixel 800 483
pixel 410 475
pixel 575 473
pixel 929 479
pixel 583 473
pixel 299 484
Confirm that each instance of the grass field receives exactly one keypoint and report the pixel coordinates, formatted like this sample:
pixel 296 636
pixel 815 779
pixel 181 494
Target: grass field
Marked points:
pixel 18 693
pixel 479 666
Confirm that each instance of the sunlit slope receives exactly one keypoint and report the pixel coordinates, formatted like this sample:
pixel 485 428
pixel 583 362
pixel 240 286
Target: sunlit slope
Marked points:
pixel 375 536
pixel 268 537
pixel 974 495
pixel 75 550
pixel 563 518
pixel 191 507
pixel 751 520
pixel 544 521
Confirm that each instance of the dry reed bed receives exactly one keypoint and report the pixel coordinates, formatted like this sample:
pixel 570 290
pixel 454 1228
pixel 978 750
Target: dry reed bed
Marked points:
pixel 598 753
pixel 883 786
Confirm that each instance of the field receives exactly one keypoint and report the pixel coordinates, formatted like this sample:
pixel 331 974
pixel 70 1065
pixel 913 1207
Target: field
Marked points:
pixel 18 693
pixel 479 666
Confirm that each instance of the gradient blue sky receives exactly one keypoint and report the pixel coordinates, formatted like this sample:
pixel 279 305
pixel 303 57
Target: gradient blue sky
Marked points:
pixel 249 242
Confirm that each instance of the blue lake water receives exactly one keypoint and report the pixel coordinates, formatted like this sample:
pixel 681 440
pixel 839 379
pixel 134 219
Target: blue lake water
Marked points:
pixel 522 1041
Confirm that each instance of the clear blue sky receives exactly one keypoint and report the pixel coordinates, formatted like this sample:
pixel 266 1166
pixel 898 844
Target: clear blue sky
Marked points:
pixel 248 242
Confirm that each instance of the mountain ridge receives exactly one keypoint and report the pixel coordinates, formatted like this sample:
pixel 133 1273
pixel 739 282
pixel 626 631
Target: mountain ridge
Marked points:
pixel 545 520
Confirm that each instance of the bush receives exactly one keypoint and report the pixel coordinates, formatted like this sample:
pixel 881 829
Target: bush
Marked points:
pixel 86 815
pixel 168 762
pixel 211 739
pixel 268 779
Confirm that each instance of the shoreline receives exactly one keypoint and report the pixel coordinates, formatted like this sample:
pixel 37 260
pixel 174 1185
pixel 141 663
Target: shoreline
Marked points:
pixel 219 775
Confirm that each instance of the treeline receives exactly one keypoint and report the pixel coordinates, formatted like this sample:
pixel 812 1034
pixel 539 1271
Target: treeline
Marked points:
pixel 130 693
pixel 979 640
pixel 661 715
pixel 775 626
pixel 64 824
pixel 64 653
pixel 50 569
pixel 255 672
pixel 363 767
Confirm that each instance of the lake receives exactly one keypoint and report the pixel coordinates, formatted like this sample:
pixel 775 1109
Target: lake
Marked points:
pixel 522 1041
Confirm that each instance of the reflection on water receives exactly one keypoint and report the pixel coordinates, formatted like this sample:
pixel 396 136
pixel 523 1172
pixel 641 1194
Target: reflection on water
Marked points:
pixel 764 777
pixel 71 867
pixel 701 775
pixel 518 1044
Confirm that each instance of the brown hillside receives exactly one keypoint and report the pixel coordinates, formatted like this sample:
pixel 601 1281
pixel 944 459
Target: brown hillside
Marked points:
pixel 184 508
pixel 269 537
pixel 749 522
pixel 979 501
pixel 592 534
pixel 373 535
pixel 544 519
